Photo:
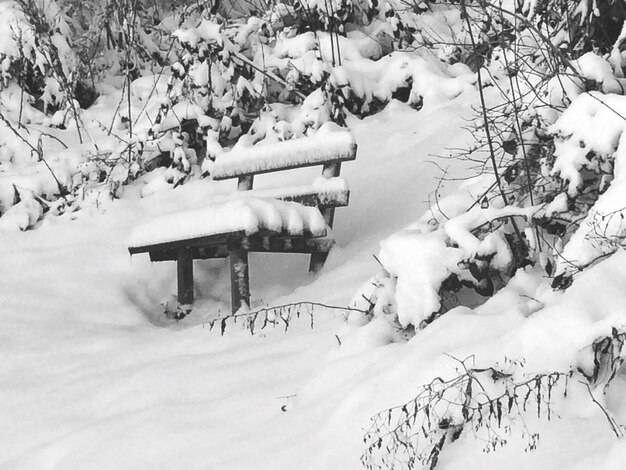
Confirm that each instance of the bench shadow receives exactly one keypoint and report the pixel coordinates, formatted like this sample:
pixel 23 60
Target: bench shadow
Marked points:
pixel 151 286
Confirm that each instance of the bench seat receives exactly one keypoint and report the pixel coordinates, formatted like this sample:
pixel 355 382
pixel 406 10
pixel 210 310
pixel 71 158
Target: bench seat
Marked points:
pixel 242 216
pixel 220 246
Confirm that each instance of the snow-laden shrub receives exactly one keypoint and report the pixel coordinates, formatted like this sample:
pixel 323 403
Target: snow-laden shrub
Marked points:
pixel 476 249
pixel 490 404
pixel 263 81
pixel 589 156
pixel 548 138
pixel 39 56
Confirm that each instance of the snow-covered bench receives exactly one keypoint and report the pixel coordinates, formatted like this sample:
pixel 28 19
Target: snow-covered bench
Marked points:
pixel 282 220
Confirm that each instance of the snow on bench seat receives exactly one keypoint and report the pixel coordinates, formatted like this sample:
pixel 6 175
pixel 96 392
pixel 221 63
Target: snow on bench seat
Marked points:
pixel 247 216
pixel 329 144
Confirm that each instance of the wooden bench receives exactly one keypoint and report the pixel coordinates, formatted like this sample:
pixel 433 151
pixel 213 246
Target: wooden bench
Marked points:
pixel 282 220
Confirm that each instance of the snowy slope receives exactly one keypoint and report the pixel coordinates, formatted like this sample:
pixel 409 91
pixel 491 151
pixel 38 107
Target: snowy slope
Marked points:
pixel 93 376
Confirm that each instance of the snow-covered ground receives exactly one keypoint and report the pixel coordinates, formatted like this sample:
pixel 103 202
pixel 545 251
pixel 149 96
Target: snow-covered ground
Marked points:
pixel 92 375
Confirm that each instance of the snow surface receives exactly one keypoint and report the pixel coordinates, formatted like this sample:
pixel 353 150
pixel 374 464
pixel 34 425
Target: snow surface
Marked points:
pixel 93 376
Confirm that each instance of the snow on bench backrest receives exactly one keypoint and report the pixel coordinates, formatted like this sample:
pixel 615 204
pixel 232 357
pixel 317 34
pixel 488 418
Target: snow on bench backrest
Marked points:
pixel 329 144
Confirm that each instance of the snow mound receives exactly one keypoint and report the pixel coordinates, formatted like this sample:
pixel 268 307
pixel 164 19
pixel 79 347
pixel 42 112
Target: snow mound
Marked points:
pixel 590 137
pixel 593 123
pixel 22 216
pixel 420 259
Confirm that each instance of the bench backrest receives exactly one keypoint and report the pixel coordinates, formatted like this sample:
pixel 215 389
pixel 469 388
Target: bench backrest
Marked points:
pixel 329 147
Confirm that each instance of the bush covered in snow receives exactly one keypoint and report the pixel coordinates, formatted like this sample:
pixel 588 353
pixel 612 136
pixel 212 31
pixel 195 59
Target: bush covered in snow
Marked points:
pixel 490 403
pixel 546 158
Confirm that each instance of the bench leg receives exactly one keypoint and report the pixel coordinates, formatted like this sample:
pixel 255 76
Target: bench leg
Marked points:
pixel 184 265
pixel 317 261
pixel 239 280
